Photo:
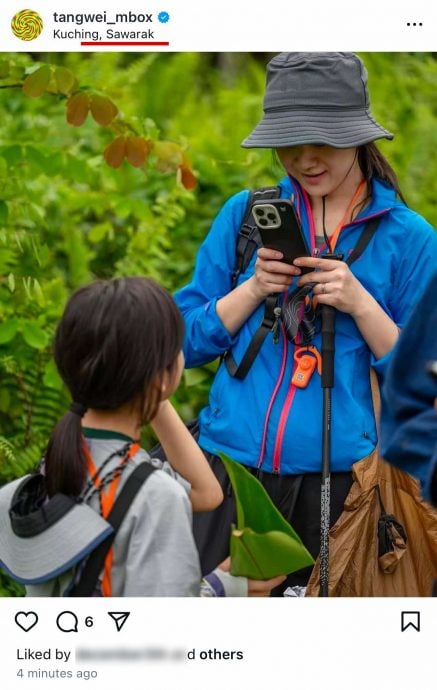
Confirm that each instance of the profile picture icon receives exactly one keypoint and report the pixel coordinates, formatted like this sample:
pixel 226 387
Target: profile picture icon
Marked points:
pixel 27 25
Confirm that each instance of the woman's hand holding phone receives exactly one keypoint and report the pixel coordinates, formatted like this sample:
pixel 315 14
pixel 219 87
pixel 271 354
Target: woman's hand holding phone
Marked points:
pixel 283 241
pixel 271 274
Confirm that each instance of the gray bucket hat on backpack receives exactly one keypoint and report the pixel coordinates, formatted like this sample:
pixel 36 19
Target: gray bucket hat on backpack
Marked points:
pixel 316 98
pixel 41 539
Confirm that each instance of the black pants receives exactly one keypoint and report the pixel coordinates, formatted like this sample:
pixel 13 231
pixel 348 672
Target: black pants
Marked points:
pixel 296 496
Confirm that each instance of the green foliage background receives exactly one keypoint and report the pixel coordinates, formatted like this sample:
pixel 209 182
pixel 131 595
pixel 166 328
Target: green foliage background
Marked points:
pixel 67 218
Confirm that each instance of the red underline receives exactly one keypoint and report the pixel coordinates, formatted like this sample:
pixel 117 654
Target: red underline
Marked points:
pixel 124 43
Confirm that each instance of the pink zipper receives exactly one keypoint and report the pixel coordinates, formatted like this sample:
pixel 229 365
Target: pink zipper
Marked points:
pixel 274 394
pixel 281 426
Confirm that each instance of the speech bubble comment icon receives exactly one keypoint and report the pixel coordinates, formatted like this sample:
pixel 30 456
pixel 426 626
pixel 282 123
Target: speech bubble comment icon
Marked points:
pixel 67 622
pixel 26 620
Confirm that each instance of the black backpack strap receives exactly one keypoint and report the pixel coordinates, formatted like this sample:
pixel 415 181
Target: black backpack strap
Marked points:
pixel 248 241
pixel 268 322
pixel 248 236
pixel 363 240
pixel 87 583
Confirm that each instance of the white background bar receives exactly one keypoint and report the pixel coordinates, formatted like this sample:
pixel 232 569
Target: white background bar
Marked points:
pixel 241 25
pixel 302 644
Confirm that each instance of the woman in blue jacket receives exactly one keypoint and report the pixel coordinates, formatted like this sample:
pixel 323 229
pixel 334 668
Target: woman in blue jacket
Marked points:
pixel 317 119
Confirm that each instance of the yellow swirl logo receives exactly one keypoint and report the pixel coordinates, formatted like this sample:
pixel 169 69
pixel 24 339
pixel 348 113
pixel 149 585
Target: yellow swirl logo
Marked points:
pixel 26 25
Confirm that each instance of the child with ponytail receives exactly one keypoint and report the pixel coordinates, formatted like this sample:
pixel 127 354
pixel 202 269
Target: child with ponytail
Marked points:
pixel 118 350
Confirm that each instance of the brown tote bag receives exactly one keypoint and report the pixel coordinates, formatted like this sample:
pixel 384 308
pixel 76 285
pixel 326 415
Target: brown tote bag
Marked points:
pixel 385 542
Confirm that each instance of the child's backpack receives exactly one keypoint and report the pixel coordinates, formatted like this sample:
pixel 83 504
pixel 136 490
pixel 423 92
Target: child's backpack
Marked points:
pixel 41 539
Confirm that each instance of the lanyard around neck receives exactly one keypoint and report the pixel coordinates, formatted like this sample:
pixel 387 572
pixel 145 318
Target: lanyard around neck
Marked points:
pixel 106 503
pixel 334 236
pixel 107 499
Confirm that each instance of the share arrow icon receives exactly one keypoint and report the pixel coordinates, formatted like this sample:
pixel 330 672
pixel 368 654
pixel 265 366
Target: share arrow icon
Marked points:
pixel 119 618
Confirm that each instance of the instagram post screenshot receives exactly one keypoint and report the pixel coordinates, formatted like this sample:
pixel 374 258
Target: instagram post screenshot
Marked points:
pixel 218 345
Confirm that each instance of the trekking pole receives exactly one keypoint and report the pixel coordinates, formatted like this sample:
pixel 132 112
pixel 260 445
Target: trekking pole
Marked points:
pixel 328 351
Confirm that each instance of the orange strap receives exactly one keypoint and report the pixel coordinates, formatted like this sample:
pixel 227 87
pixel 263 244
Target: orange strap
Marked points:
pixel 334 237
pixel 106 502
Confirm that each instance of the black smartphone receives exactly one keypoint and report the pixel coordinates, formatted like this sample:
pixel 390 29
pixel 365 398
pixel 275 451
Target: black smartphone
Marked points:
pixel 280 229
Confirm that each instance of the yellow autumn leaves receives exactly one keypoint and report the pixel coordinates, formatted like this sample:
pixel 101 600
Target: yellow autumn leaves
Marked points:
pixel 131 147
pixel 168 155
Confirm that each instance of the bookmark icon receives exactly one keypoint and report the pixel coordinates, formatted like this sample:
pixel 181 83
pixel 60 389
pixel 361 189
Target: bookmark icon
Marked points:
pixel 410 619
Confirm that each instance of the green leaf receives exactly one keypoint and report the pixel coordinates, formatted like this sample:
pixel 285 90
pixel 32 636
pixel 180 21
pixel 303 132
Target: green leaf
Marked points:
pixel 3 167
pixel 169 155
pixel 99 232
pixel 37 158
pixel 64 79
pixel 8 330
pixel 35 336
pixel 5 400
pixel 79 257
pixel 263 544
pixel 11 282
pixel 36 83
pixel 13 154
pixel 27 283
pixel 4 212
pixel 51 378
pixel 38 293
pixel 4 68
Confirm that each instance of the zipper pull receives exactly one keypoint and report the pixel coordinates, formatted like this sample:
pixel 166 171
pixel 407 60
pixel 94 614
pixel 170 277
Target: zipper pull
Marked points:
pixel 275 328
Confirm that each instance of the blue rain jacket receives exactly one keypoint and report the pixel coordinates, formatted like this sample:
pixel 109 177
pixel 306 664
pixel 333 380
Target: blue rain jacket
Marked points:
pixel 264 420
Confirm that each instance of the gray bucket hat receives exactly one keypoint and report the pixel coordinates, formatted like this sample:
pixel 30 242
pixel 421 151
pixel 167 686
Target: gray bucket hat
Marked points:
pixel 316 98
pixel 40 539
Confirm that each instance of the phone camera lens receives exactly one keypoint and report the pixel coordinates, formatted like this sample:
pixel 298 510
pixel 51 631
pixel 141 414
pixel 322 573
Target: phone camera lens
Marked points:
pixel 271 216
pixel 263 221
pixel 259 211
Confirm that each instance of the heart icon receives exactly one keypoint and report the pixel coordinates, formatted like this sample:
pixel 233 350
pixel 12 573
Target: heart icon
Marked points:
pixel 26 620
